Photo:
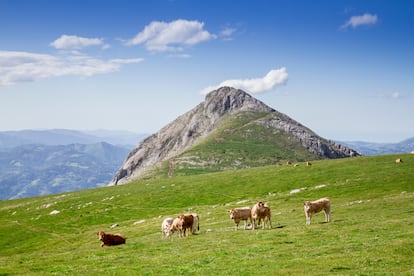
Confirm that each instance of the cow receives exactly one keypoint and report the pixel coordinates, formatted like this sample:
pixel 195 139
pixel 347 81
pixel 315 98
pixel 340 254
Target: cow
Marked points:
pixel 398 161
pixel 183 222
pixel 313 207
pixel 166 227
pixel 308 164
pixel 110 239
pixel 188 222
pixel 196 223
pixel 238 214
pixel 177 225
pixel 261 211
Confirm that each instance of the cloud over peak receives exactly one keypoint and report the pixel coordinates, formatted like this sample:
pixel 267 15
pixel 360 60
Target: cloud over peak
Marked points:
pixel 161 36
pixel 272 79
pixel 360 20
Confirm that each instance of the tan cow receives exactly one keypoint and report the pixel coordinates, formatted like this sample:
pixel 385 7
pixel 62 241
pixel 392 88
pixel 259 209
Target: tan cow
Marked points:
pixel 177 225
pixel 261 211
pixel 398 161
pixel 110 239
pixel 238 214
pixel 313 207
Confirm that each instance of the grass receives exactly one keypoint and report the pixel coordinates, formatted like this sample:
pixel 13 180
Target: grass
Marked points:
pixel 372 228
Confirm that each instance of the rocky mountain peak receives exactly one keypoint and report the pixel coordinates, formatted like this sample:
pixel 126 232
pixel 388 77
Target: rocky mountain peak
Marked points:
pixel 228 99
pixel 197 124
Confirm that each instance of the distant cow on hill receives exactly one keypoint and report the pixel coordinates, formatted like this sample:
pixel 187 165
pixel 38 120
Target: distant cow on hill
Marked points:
pixel 110 239
pixel 261 211
pixel 238 214
pixel 313 207
pixel 398 161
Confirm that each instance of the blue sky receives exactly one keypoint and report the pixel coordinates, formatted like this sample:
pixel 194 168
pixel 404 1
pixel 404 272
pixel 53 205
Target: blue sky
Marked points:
pixel 342 68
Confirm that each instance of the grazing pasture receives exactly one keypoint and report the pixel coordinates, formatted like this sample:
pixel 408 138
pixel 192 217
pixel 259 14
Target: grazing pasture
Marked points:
pixel 371 229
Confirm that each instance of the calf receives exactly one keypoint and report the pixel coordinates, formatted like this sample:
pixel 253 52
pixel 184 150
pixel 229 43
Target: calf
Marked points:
pixel 313 207
pixel 166 228
pixel 238 214
pixel 261 211
pixel 110 239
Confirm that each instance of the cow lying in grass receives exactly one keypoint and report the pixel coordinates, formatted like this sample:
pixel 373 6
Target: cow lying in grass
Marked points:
pixel 238 214
pixel 313 207
pixel 110 239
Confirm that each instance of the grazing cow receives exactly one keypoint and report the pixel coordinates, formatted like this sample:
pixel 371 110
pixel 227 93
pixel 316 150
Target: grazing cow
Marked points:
pixel 110 239
pixel 166 228
pixel 296 165
pixel 238 214
pixel 398 161
pixel 288 163
pixel 313 207
pixel 261 211
pixel 308 164
pixel 177 225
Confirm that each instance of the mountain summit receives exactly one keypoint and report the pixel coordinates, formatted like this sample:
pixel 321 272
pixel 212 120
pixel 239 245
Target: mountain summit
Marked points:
pixel 229 130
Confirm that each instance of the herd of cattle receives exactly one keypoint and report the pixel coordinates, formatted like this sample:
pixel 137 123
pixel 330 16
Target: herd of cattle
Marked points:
pixel 189 223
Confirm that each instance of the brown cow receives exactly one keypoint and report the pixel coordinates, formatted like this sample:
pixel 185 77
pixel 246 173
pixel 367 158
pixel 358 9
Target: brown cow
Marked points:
pixel 182 223
pixel 313 207
pixel 238 214
pixel 110 239
pixel 261 211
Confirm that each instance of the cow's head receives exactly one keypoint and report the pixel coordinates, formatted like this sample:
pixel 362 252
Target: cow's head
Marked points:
pixel 231 212
pixel 307 205
pixel 101 235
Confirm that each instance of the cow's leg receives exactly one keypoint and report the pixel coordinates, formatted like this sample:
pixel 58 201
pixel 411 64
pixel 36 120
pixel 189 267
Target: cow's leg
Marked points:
pixel 308 218
pixel 327 215
pixel 270 222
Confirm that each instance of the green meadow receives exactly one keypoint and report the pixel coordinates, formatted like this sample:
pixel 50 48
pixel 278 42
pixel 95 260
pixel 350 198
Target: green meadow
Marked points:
pixel 371 232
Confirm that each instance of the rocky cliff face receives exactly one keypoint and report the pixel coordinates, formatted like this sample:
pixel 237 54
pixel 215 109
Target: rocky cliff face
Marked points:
pixel 195 125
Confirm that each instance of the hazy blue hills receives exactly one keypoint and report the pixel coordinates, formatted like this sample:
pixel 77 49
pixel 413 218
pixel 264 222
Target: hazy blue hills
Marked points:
pixel 369 148
pixel 10 139
pixel 41 162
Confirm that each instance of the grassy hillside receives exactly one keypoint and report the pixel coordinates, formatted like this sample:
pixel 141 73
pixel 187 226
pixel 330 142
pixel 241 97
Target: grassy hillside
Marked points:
pixel 238 142
pixel 372 228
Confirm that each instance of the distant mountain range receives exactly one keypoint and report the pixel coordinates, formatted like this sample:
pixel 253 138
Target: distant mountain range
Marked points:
pixel 41 162
pixel 368 148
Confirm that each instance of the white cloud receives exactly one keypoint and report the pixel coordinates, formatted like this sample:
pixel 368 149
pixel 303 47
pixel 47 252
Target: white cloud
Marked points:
pixel 360 20
pixel 272 79
pixel 16 67
pixel 67 42
pixel 227 32
pixel 171 36
pixel 395 95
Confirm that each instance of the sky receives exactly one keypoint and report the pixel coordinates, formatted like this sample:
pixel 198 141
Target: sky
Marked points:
pixel 344 69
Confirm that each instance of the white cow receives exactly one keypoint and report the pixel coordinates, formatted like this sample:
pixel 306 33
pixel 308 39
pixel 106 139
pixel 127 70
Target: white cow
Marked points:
pixel 166 228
